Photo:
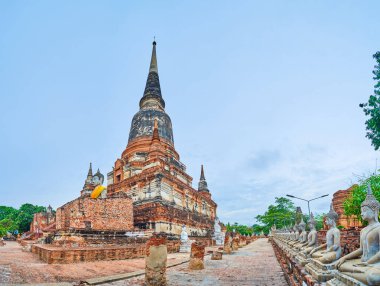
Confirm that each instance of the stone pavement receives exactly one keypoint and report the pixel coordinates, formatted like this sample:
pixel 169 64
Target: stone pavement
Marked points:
pixel 253 265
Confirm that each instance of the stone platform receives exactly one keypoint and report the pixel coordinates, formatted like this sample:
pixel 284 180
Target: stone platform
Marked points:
pixel 302 259
pixel 62 255
pixel 319 271
pixel 341 279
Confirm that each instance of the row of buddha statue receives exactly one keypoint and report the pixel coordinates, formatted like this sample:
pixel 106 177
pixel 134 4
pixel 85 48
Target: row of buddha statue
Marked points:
pixel 325 263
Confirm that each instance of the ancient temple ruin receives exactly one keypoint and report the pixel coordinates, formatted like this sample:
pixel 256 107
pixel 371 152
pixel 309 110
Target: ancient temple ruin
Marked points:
pixel 151 173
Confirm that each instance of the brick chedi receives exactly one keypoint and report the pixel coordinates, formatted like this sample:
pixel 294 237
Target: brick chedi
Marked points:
pixel 338 199
pixel 151 173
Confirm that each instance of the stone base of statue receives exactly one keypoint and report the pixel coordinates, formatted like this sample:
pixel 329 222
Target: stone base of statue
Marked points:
pixel 341 279
pixel 185 246
pixel 302 259
pixel 319 271
pixel 291 251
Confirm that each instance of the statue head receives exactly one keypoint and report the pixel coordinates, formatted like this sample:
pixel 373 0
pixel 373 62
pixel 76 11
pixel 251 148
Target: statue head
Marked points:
pixel 312 222
pixel 98 178
pixel 370 206
pixel 302 225
pixel 331 217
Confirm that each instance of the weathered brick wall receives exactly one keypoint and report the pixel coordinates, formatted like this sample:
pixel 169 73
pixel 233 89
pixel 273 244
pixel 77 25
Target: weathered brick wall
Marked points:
pixel 338 199
pixel 99 214
pixel 41 221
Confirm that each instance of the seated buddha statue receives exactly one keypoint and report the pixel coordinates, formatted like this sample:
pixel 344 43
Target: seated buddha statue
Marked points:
pixel 303 236
pixel 363 264
pixel 311 237
pixel 295 236
pixel 332 247
pixel 286 234
pixel 289 234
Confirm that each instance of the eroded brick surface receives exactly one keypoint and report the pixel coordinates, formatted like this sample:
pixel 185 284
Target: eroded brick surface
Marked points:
pixel 98 214
pixel 196 256
pixel 216 255
pixel 155 261
pixel 338 199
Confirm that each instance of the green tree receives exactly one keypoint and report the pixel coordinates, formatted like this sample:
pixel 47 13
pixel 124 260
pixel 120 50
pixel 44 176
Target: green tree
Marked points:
pixel 12 219
pixel 240 228
pixel 257 229
pixel 25 216
pixel 8 212
pixel 372 108
pixel 319 221
pixel 6 225
pixel 282 213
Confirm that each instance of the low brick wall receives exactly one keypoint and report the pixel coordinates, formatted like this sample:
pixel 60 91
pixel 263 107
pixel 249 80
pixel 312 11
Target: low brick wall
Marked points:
pixel 59 255
pixel 294 273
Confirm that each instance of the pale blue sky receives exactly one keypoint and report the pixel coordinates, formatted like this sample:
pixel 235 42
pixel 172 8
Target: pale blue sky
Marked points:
pixel 264 94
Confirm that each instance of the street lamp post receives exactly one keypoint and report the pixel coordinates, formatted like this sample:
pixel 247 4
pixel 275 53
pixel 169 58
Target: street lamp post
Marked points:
pixel 308 201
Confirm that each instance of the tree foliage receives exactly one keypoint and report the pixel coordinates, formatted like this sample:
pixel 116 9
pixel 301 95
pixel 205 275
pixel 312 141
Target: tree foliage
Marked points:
pixel 282 213
pixel 319 221
pixel 242 229
pixel 12 219
pixel 352 203
pixel 372 108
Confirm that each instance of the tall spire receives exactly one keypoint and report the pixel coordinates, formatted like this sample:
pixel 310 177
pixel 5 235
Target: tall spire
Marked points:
pixel 152 106
pixel 202 185
pixel 152 94
pixel 153 60
pixel 89 174
pixel 202 174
